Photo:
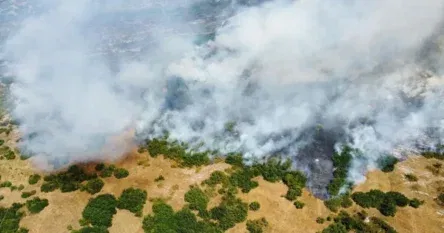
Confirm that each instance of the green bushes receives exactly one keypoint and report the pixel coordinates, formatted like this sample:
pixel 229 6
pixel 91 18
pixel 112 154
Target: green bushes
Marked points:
pixel 217 177
pixel 132 199
pixel 10 219
pixel 335 228
pixel 28 194
pixel 36 204
pixel 346 223
pixel 337 202
pixel 93 186
pixel 242 178
pixel 320 220
pixel 165 220
pixel 341 164
pixel 99 167
pixel 415 203
pixel 93 229
pixel 107 171
pixel 120 173
pixel 254 206
pixel 33 179
pixel 197 200
pixel 230 211
pixel 298 204
pixel 295 182
pixel 159 178
pixel 5 184
pixel 235 159
pixel 68 181
pixel 7 153
pixel 410 177
pixel 387 163
pixel 99 211
pixel 386 203
pixel 177 151
pixel 257 226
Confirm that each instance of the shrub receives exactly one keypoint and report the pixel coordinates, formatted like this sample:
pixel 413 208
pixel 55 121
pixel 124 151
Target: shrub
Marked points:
pixel 387 163
pixel 93 186
pixel 132 199
pixel 388 207
pixel 217 177
pixel 120 173
pixel 399 198
pixel 28 194
pixel 2 142
pixel 373 198
pixel 100 210
pixel 415 203
pixel 242 179
pixel 411 177
pixel 341 164
pixel 382 225
pixel 107 172
pixel 320 220
pixel 9 155
pixel 93 229
pixel 197 199
pixel 254 206
pixel 235 159
pixel 48 187
pixel 335 228
pixel 292 194
pixel 67 181
pixel 5 184
pixel 99 167
pixel 274 169
pixel 10 219
pixel 298 204
pixel 335 203
pixel 159 178
pixel 36 204
pixel 230 211
pixel 257 226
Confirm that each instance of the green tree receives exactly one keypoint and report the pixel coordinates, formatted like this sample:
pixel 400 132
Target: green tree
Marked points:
pixel 36 204
pixel 132 199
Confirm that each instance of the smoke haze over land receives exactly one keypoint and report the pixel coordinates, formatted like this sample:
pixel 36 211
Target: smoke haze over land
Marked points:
pixel 297 78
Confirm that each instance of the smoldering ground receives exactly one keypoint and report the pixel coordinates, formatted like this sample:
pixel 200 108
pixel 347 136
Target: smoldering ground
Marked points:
pixel 296 78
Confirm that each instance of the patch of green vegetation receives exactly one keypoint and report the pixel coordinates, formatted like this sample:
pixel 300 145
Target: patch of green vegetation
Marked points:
pixel 410 177
pixel 235 159
pixel 36 205
pixel 295 182
pixel 159 178
pixel 415 203
pixel 7 153
pixel 99 167
pixel 107 171
pixel 28 194
pixel 197 200
pixel 93 186
pixel 217 177
pixel 298 204
pixel 10 219
pixel 229 212
pixel 346 223
pixel 341 164
pixel 5 184
pixel 33 179
pixel 121 173
pixel 387 163
pixel 320 220
pixel 177 151
pixel 242 178
pixel 257 226
pixel 93 229
pixel 337 202
pixel 165 220
pixel 2 142
pixel 132 199
pixel 99 211
pixel 254 206
pixel 436 154
pixel 386 203
pixel 67 181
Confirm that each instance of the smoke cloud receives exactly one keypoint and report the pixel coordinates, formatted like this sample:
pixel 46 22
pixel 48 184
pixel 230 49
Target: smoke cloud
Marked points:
pixel 296 78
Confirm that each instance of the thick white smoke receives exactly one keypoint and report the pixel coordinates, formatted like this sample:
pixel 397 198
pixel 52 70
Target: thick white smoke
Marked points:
pixel 280 70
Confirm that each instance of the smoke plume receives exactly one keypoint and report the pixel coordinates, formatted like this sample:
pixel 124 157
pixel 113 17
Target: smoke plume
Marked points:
pixel 296 78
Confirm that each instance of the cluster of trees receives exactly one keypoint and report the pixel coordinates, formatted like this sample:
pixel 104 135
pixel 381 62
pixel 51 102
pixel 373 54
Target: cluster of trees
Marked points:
pixel 386 203
pixel 67 181
pixel 132 199
pixel 107 171
pixel 257 226
pixel 230 211
pixel 337 202
pixel 33 179
pixel 7 153
pixel 121 173
pixel 341 164
pixel 254 206
pixel 99 211
pixel 344 223
pixel 387 163
pixel 93 186
pixel 28 194
pixel 165 220
pixel 177 151
pixel 10 219
pixel 197 200
pixel 36 204
pixel 437 153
